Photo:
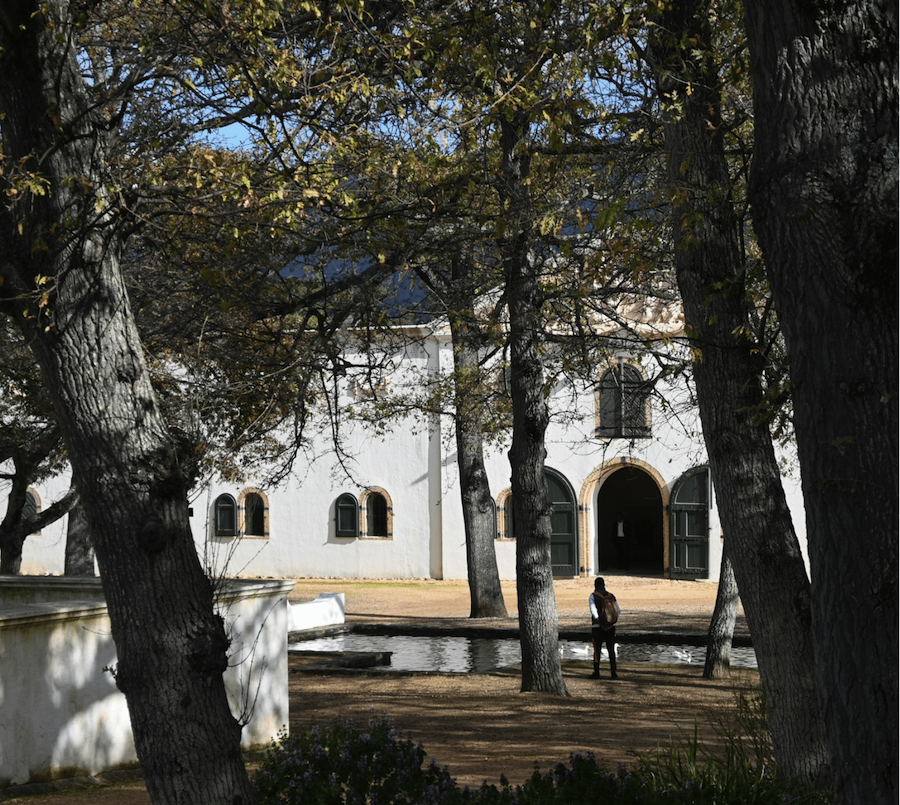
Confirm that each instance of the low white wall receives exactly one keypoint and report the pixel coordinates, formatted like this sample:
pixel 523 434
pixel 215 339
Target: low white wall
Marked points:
pixel 327 609
pixel 61 714
pixel 19 590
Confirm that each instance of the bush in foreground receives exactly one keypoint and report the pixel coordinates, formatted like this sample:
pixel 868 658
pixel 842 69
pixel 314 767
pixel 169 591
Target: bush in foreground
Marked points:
pixel 340 764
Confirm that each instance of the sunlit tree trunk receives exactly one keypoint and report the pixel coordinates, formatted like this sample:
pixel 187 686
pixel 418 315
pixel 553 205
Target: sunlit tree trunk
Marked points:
pixel 485 592
pixel 721 626
pixel 824 202
pixel 538 615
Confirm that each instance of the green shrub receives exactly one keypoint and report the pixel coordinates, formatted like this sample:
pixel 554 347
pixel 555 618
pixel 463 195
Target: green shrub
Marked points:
pixel 741 771
pixel 340 764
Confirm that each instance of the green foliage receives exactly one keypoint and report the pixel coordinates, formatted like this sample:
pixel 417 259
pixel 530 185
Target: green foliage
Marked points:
pixel 740 769
pixel 341 763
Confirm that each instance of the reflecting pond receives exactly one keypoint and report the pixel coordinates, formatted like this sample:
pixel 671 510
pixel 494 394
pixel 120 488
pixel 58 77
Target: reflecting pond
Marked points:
pixel 479 655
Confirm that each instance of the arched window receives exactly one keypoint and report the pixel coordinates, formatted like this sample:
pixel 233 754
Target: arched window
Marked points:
pixel 346 516
pixel 623 405
pixel 254 515
pixel 377 511
pixel 377 516
pixel 226 516
pixel 504 509
pixel 32 507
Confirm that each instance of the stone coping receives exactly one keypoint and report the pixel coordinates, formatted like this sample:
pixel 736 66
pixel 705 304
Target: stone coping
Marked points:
pixel 24 614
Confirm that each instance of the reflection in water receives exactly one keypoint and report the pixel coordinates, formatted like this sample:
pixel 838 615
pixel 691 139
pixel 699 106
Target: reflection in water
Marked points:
pixel 479 655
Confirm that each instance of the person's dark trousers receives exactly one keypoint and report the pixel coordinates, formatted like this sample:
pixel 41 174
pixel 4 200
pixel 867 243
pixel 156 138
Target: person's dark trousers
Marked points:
pixel 606 637
pixel 622 552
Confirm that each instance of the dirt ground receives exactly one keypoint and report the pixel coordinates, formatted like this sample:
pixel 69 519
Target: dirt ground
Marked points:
pixel 482 726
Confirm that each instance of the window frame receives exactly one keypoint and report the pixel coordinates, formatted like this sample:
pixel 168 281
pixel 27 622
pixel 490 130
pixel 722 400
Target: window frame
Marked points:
pixel 365 528
pixel 243 525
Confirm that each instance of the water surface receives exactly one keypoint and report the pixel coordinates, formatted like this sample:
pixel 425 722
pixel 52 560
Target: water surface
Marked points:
pixel 480 655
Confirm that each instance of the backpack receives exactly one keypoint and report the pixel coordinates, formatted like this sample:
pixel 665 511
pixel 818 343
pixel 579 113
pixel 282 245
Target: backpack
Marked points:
pixel 608 611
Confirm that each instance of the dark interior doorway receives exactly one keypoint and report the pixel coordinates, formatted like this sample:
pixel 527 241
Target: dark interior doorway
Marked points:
pixel 633 492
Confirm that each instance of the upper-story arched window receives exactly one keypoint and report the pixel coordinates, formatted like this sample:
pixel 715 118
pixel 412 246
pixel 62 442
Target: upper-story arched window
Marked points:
pixel 623 405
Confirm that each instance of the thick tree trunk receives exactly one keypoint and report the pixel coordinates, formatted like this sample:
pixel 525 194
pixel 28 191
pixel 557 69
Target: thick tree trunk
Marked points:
pixel 79 551
pixel 538 615
pixel 824 196
pixel 485 592
pixel 757 523
pixel 172 648
pixel 721 626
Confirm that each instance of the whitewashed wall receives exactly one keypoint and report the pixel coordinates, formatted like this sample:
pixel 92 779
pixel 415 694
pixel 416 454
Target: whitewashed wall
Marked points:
pixel 417 468
pixel 61 714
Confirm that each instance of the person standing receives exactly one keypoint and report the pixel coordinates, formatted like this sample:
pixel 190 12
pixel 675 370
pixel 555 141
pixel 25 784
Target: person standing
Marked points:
pixel 621 541
pixel 605 611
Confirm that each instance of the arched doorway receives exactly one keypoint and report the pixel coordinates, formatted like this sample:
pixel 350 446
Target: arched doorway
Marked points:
pixel 635 493
pixel 564 526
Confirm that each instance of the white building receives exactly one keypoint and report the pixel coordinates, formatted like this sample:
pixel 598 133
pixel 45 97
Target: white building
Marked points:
pixel 393 510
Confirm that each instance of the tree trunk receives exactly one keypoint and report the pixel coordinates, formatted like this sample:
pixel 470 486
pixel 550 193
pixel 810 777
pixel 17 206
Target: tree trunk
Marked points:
pixel 172 648
pixel 485 592
pixel 12 534
pixel 538 615
pixel 721 626
pixel 10 555
pixel 824 196
pixel 79 551
pixel 768 563
pixel 17 526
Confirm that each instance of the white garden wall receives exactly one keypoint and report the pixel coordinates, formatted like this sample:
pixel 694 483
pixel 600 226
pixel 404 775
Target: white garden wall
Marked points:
pixel 61 714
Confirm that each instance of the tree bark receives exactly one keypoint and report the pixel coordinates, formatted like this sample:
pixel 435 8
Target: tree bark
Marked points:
pixel 172 648
pixel 538 615
pixel 721 626
pixel 79 551
pixel 824 201
pixel 485 592
pixel 768 563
